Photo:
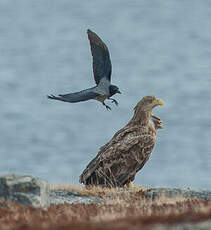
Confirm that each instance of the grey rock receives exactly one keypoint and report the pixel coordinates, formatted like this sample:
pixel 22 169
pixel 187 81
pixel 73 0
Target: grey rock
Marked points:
pixel 70 197
pixel 24 189
pixel 204 225
pixel 175 192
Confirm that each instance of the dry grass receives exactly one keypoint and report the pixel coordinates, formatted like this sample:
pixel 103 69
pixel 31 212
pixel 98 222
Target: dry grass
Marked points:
pixel 98 191
pixel 124 209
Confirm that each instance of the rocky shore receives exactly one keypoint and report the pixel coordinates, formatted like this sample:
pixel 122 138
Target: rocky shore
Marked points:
pixel 36 204
pixel 36 192
pixel 28 190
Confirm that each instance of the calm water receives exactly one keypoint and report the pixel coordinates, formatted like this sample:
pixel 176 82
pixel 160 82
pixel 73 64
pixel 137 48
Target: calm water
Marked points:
pixel 157 47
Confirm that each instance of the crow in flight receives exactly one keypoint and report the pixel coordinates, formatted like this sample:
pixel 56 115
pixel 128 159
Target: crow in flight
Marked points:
pixel 102 74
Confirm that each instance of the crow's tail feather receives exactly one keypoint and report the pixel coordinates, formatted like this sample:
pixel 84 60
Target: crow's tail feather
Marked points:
pixel 59 98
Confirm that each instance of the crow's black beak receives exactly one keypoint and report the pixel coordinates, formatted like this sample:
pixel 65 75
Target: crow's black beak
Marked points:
pixel 119 92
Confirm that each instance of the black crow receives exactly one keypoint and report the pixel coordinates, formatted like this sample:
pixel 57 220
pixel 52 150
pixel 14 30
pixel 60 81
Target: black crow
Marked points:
pixel 102 74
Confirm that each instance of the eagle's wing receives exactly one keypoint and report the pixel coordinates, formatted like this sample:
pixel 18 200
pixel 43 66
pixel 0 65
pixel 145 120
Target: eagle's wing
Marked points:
pixel 120 159
pixel 91 167
pixel 101 58
pixel 135 157
pixel 83 95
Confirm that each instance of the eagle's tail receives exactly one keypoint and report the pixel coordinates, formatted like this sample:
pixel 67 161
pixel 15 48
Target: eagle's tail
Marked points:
pixel 99 178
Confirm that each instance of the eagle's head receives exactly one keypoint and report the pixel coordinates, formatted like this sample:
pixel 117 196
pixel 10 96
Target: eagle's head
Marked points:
pixel 148 103
pixel 143 109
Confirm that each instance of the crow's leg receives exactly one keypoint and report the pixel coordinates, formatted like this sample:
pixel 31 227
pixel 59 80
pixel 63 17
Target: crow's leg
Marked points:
pixel 113 101
pixel 107 107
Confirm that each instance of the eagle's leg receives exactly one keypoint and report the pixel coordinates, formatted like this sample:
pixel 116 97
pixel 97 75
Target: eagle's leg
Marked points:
pixel 130 185
pixel 107 107
pixel 114 101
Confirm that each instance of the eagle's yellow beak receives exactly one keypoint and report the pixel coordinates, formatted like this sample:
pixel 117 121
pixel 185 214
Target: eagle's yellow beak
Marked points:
pixel 158 102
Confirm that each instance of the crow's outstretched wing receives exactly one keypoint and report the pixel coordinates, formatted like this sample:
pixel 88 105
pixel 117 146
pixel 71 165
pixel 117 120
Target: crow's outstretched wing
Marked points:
pixel 83 95
pixel 101 57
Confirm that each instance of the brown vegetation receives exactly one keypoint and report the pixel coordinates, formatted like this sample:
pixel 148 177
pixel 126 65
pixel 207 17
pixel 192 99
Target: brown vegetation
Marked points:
pixel 123 209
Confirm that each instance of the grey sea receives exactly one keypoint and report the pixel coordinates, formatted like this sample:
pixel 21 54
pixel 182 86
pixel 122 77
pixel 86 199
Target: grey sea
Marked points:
pixel 157 47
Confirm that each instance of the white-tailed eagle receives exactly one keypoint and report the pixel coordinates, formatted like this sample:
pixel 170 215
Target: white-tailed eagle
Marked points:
pixel 126 153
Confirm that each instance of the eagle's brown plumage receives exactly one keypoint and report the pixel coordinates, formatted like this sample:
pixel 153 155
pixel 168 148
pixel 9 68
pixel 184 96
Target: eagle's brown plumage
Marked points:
pixel 125 154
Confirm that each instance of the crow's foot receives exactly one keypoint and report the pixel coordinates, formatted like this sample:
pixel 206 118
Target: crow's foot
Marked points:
pixel 114 101
pixel 107 107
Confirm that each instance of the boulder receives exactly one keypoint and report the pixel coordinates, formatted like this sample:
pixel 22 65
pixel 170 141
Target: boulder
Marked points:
pixel 155 193
pixel 71 197
pixel 25 190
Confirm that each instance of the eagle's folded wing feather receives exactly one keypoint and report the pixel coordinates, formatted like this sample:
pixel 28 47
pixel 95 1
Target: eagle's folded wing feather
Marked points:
pixel 119 158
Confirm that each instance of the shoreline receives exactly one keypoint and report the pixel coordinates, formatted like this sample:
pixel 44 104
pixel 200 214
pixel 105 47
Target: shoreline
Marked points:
pixel 82 195
pixel 31 203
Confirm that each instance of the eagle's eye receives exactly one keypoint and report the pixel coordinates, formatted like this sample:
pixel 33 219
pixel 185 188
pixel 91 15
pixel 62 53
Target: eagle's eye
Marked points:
pixel 150 100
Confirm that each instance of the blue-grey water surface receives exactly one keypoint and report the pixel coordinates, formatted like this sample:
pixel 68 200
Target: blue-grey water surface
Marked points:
pixel 157 47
